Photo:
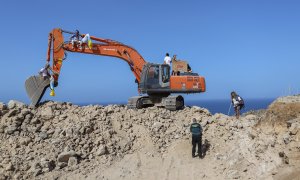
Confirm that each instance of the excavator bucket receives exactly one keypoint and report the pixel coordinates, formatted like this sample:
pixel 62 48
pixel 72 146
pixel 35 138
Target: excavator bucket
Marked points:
pixel 35 87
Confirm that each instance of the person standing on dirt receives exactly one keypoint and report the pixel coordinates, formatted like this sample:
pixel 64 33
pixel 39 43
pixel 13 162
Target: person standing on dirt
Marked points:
pixel 196 131
pixel 238 103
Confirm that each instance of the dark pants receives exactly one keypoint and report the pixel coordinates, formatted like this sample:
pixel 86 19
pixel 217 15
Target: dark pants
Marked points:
pixel 237 110
pixel 197 139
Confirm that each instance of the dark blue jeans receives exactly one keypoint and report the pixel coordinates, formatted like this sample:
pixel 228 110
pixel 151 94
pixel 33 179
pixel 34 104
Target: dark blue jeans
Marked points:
pixel 197 141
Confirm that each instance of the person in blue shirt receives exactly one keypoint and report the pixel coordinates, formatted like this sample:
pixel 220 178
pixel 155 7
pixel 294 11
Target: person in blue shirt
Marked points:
pixel 196 131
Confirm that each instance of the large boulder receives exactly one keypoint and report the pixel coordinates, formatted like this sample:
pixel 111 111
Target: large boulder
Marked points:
pixel 47 113
pixel 201 110
pixel 72 161
pixel 102 150
pixel 64 156
pixel 15 104
pixel 2 106
pixel 295 128
pixel 11 129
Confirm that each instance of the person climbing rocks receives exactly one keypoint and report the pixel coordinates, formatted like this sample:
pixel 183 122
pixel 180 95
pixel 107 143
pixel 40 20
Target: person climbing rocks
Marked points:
pixel 196 131
pixel 238 103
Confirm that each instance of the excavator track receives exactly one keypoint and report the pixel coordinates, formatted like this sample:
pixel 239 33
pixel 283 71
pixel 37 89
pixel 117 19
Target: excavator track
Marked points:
pixel 35 87
pixel 134 102
pixel 172 103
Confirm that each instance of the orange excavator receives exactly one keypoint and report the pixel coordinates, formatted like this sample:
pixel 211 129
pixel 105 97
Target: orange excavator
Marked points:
pixel 155 83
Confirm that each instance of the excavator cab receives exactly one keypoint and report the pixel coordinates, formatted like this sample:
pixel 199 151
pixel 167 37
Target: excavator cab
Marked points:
pixel 157 77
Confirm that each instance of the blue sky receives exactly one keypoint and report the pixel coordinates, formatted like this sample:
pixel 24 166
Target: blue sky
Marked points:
pixel 252 47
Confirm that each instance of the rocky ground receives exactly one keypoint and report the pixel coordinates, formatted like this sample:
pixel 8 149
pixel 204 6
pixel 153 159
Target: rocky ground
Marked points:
pixel 65 141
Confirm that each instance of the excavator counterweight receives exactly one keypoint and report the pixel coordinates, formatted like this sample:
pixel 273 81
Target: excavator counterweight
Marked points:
pixel 153 79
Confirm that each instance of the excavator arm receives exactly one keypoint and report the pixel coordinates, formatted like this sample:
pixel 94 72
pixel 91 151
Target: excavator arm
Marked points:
pixel 103 47
pixel 58 47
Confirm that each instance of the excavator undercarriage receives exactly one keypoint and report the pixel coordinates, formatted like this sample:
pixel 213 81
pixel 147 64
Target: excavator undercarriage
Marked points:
pixel 169 102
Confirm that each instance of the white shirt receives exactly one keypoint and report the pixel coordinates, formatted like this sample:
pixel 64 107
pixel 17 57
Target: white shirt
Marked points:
pixel 167 60
pixel 236 101
pixel 44 72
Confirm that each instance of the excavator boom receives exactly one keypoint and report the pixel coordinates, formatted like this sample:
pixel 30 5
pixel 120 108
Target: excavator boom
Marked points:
pixel 103 47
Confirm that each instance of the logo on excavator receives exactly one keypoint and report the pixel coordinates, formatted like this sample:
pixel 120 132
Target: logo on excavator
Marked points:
pixel 109 49
pixel 87 48
pixel 196 86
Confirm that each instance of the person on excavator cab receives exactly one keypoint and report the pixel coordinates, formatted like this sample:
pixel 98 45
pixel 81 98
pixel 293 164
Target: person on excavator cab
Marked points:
pixel 174 59
pixel 75 39
pixel 189 69
pixel 167 59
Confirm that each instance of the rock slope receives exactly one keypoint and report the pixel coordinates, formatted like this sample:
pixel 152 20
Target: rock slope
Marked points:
pixel 66 141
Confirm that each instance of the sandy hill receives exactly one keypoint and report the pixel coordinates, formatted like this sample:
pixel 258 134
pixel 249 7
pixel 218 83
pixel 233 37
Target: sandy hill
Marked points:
pixel 66 141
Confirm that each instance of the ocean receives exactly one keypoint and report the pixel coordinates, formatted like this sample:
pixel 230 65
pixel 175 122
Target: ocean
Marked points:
pixel 215 106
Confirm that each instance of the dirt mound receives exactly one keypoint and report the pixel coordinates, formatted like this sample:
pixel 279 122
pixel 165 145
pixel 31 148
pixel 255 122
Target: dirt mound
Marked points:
pixel 66 141
pixel 283 110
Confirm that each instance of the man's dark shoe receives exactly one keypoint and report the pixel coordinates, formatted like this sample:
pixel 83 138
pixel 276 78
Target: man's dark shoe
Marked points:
pixel 193 156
